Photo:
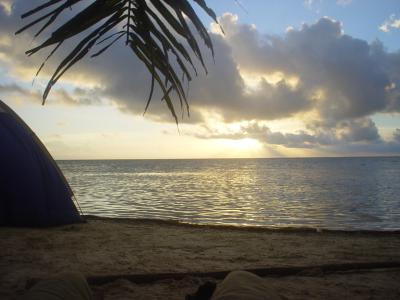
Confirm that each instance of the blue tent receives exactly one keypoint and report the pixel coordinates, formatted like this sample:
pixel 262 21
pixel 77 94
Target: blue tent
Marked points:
pixel 33 191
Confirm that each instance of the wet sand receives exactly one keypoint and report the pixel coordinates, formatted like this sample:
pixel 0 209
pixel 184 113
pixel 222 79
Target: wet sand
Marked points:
pixel 115 246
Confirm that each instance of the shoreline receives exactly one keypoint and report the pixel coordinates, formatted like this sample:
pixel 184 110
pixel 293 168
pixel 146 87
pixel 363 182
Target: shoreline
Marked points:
pixel 112 246
pixel 251 228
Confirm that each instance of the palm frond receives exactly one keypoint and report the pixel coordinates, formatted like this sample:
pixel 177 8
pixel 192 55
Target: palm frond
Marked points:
pixel 153 29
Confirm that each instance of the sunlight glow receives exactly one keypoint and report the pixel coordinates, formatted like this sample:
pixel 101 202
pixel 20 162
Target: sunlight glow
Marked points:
pixel 5 40
pixel 7 6
pixel 242 144
pixel 253 80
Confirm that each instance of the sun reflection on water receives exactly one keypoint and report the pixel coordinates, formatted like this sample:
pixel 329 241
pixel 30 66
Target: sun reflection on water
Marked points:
pixel 359 193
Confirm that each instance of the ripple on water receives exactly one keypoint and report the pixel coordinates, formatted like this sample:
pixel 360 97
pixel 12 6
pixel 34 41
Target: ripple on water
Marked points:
pixel 337 193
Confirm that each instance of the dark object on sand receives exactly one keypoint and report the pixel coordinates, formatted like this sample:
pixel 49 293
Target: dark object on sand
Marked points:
pixel 204 292
pixel 237 285
pixel 33 191
pixel 242 285
pixel 67 286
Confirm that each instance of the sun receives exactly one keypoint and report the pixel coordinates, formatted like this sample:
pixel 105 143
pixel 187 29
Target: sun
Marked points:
pixel 242 144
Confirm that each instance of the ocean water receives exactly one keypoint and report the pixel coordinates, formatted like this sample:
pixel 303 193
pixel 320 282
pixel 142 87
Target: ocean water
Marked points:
pixel 326 193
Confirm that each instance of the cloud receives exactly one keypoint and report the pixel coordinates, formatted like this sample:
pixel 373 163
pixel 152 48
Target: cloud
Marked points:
pixel 60 96
pixel 313 5
pixel 316 4
pixel 308 3
pixel 300 139
pixel 123 79
pixel 332 81
pixel 391 23
pixel 396 135
pixel 343 2
pixel 339 76
pixel 16 89
pixel 360 137
pixel 350 75
pixel 362 130
pixel 354 132
pixel 6 6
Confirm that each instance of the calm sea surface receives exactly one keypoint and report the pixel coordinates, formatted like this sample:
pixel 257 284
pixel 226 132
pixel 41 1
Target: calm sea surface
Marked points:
pixel 334 193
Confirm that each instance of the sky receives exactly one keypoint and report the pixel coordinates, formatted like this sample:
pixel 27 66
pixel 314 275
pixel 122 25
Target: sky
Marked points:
pixel 297 78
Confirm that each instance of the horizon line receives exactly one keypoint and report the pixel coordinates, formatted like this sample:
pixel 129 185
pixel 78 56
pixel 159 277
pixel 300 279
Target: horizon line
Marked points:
pixel 232 158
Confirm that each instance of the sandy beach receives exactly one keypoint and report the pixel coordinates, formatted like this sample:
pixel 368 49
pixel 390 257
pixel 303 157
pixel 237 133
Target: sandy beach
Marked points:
pixel 104 247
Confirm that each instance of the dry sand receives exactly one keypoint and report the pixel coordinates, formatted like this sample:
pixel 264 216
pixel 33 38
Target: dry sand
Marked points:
pixel 111 246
